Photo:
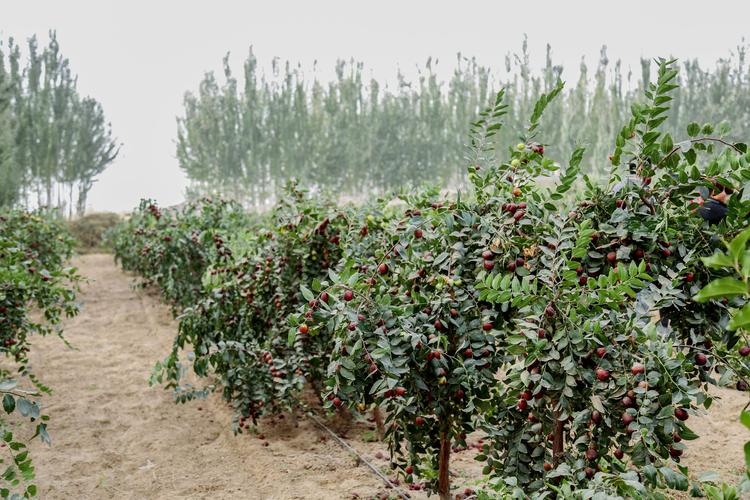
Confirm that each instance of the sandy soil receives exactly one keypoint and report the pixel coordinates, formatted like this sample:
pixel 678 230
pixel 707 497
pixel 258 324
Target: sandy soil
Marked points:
pixel 722 437
pixel 116 437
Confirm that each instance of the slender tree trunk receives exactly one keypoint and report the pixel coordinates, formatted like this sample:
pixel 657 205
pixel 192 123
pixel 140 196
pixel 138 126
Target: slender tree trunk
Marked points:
pixel 377 415
pixel 558 442
pixel 49 193
pixel 83 191
pixel 444 481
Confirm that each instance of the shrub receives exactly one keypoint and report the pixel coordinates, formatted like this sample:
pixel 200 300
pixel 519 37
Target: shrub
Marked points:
pixel 37 291
pixel 611 389
pixel 173 248
pixel 238 328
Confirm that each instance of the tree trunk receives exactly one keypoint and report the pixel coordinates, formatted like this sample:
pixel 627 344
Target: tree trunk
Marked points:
pixel 558 442
pixel 49 193
pixel 444 481
pixel 83 190
pixel 377 415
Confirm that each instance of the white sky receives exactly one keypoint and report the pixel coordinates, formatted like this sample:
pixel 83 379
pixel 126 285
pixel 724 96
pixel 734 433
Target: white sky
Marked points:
pixel 138 57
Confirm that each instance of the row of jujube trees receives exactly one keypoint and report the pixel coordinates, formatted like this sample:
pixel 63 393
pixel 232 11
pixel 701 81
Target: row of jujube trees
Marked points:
pixel 416 307
pixel 37 291
pixel 53 141
pixel 244 135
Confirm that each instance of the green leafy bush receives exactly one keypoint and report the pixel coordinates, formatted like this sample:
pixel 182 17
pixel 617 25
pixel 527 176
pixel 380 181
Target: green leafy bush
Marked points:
pixel 238 328
pixel 173 248
pixel 610 388
pixel 37 290
pixel 736 260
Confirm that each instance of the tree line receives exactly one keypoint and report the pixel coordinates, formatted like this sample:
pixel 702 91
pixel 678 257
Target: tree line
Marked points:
pixel 244 137
pixel 53 141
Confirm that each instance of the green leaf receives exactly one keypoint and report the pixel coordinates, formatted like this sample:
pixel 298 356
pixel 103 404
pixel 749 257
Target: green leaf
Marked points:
pixel 690 156
pixel 561 470
pixel 737 246
pixel 745 419
pixel 596 402
pixel 740 318
pixel 496 281
pixel 24 406
pixel 335 278
pixel 674 479
pixel 650 137
pixel 306 293
pixel 9 403
pixel 8 385
pixel 688 434
pixel 724 128
pixel 718 261
pixel 693 129
pixel 346 374
pixel 722 287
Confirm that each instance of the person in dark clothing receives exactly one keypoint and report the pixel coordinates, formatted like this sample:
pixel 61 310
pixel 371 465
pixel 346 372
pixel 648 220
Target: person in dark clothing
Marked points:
pixel 715 208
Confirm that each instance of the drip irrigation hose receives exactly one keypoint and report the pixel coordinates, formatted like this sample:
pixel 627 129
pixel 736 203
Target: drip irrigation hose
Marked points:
pixel 401 493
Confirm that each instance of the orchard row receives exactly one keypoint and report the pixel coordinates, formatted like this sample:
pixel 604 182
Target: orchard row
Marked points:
pixel 37 290
pixel 554 315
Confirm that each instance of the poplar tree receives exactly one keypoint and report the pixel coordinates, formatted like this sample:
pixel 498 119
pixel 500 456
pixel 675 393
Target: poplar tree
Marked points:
pixel 60 141
pixel 10 176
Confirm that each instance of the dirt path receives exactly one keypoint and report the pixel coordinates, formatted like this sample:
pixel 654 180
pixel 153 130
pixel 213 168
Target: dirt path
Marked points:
pixel 114 437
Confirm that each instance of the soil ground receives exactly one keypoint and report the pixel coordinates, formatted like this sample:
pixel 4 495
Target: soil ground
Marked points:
pixel 115 437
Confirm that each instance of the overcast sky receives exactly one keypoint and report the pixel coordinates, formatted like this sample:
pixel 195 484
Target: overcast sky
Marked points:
pixel 138 57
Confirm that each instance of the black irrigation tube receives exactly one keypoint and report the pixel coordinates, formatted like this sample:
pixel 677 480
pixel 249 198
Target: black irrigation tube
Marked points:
pixel 401 493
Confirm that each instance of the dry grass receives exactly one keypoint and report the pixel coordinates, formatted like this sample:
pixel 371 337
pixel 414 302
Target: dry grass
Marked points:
pixel 89 230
